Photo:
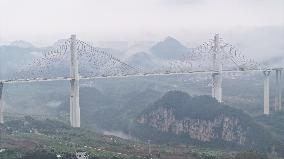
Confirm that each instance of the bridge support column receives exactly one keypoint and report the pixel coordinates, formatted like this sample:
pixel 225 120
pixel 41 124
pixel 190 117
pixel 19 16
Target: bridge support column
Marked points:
pixel 278 90
pixel 217 66
pixel 1 104
pixel 217 86
pixel 266 92
pixel 74 92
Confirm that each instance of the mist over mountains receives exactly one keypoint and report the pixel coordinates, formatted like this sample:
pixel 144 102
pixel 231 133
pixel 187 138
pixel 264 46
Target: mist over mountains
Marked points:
pixel 169 49
pixel 17 54
pixel 147 54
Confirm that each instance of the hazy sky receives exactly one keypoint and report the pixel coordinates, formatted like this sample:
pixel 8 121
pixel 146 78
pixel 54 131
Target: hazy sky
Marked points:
pixel 132 19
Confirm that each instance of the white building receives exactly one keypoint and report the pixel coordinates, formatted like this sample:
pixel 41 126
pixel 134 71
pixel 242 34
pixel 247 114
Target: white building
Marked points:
pixel 82 155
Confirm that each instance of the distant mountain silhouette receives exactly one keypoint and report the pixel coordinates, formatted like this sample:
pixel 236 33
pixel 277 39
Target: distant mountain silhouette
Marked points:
pixel 143 59
pixel 169 48
pixel 22 44
pixel 18 53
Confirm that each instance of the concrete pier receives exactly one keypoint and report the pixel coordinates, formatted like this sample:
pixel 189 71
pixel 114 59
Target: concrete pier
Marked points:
pixel 278 96
pixel 74 91
pixel 217 86
pixel 217 66
pixel 1 104
pixel 266 92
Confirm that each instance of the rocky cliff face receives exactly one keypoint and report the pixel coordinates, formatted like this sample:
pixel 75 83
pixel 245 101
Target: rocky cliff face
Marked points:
pixel 221 127
pixel 178 117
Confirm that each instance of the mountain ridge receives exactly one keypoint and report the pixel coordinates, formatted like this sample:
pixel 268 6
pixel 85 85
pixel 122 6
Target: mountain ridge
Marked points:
pixel 178 117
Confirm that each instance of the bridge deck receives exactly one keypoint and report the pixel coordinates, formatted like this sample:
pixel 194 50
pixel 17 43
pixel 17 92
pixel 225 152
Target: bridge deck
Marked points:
pixel 125 76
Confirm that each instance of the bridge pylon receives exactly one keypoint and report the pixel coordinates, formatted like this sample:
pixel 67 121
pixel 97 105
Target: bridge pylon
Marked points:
pixel 217 66
pixel 278 89
pixel 266 106
pixel 217 86
pixel 1 104
pixel 74 83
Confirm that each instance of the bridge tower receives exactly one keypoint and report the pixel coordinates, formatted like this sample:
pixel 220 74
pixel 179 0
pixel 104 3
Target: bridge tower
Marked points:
pixel 278 89
pixel 1 104
pixel 74 82
pixel 266 92
pixel 217 67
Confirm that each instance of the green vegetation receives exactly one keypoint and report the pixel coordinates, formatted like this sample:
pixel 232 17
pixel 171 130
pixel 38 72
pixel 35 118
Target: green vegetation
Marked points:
pixel 25 138
pixel 250 155
pixel 185 105
pixel 48 138
pixel 274 123
pixel 208 109
pixel 108 110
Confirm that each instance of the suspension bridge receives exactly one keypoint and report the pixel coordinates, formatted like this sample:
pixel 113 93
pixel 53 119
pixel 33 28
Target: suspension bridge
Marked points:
pixel 61 63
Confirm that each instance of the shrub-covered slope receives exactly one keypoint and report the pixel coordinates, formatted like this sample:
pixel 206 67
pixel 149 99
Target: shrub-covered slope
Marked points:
pixel 180 118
